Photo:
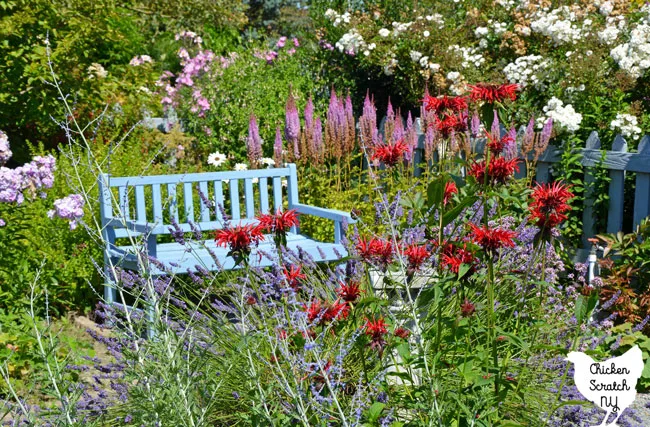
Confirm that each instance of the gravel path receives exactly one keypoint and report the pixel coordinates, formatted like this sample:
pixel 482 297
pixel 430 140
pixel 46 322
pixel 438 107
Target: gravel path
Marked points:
pixel 640 406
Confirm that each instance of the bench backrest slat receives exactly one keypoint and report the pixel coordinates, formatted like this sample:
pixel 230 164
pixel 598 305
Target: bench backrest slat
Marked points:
pixel 155 200
pixel 248 198
pixel 264 195
pixel 172 201
pixel 140 205
pixel 234 199
pixel 188 202
pixel 124 202
pixel 218 199
pixel 203 196
pixel 277 193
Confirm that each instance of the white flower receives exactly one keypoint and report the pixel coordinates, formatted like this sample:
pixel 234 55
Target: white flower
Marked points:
pixel 481 32
pixel 96 70
pixel 627 125
pixel 434 67
pixel 241 167
pixel 216 159
pixel 606 8
pixel 384 32
pixel 415 55
pixel 267 161
pixel 453 76
pixel 426 33
pixel 424 62
pixel 564 116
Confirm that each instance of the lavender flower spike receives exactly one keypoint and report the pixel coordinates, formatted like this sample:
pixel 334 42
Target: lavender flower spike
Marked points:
pixel 253 142
pixel 475 124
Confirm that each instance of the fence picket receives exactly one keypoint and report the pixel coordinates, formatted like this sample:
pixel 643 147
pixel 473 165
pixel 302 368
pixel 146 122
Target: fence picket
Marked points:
pixel 616 190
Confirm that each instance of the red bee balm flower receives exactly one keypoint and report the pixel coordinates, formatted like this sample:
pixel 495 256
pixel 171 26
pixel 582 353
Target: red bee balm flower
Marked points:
pixel 499 170
pixel 445 103
pixel 376 328
pixel 375 251
pixel 337 311
pixel 239 239
pixel 450 190
pixel 454 257
pixel 315 310
pixel 401 333
pixel 416 256
pixel 493 93
pixel 496 145
pixel 294 276
pixel 467 308
pixel 349 292
pixel 449 123
pixel 278 224
pixel 550 204
pixel 390 154
pixel 491 239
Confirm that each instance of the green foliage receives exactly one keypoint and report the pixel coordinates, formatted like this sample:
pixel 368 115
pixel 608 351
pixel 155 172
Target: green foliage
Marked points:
pixel 571 171
pixel 248 86
pixel 623 338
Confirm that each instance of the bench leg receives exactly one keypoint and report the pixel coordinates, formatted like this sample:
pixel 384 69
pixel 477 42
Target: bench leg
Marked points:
pixel 110 285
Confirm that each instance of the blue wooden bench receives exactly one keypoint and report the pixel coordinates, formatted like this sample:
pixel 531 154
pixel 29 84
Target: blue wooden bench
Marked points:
pixel 141 209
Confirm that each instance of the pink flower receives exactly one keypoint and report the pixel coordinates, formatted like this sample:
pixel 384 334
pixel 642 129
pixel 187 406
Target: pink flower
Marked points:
pixel 281 42
pixel 296 43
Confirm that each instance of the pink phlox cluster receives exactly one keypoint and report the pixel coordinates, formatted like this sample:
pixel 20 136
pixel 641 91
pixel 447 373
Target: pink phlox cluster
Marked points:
pixel 70 208
pixel 27 180
pixel 190 36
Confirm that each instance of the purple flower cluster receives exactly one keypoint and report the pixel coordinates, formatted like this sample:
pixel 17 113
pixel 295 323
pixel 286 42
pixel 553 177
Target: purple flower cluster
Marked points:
pixel 70 208
pixel 27 180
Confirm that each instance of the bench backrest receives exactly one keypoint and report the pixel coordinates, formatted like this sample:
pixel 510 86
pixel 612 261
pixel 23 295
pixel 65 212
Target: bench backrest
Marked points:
pixel 157 199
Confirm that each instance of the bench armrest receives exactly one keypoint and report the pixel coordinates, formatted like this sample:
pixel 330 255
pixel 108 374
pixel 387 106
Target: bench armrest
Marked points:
pixel 332 214
pixel 138 227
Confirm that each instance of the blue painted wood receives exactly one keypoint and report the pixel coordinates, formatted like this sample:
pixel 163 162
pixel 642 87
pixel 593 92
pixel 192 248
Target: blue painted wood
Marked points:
pixel 616 191
pixel 234 199
pixel 642 192
pixel 188 201
pixel 173 201
pixel 124 202
pixel 196 177
pixel 218 199
pixel 140 207
pixel 264 195
pixel 249 198
pixel 204 195
pixel 588 220
pixel 156 198
pixel 277 193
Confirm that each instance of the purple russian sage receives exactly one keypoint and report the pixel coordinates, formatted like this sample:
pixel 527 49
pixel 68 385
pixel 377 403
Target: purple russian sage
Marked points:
pixel 292 126
pixel 253 142
pixel 277 148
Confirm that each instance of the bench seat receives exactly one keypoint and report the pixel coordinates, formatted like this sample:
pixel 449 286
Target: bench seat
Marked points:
pixel 178 260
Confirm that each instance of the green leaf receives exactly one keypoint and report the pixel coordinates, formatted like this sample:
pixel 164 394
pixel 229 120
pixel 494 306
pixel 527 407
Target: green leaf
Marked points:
pixel 453 213
pixel 375 411
pixel 436 192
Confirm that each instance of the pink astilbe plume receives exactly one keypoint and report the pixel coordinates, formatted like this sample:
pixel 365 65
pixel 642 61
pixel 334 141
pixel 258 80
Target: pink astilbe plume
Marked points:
pixel 253 142
pixel 292 126
pixel 318 141
pixel 350 126
pixel 277 147
pixel 368 122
